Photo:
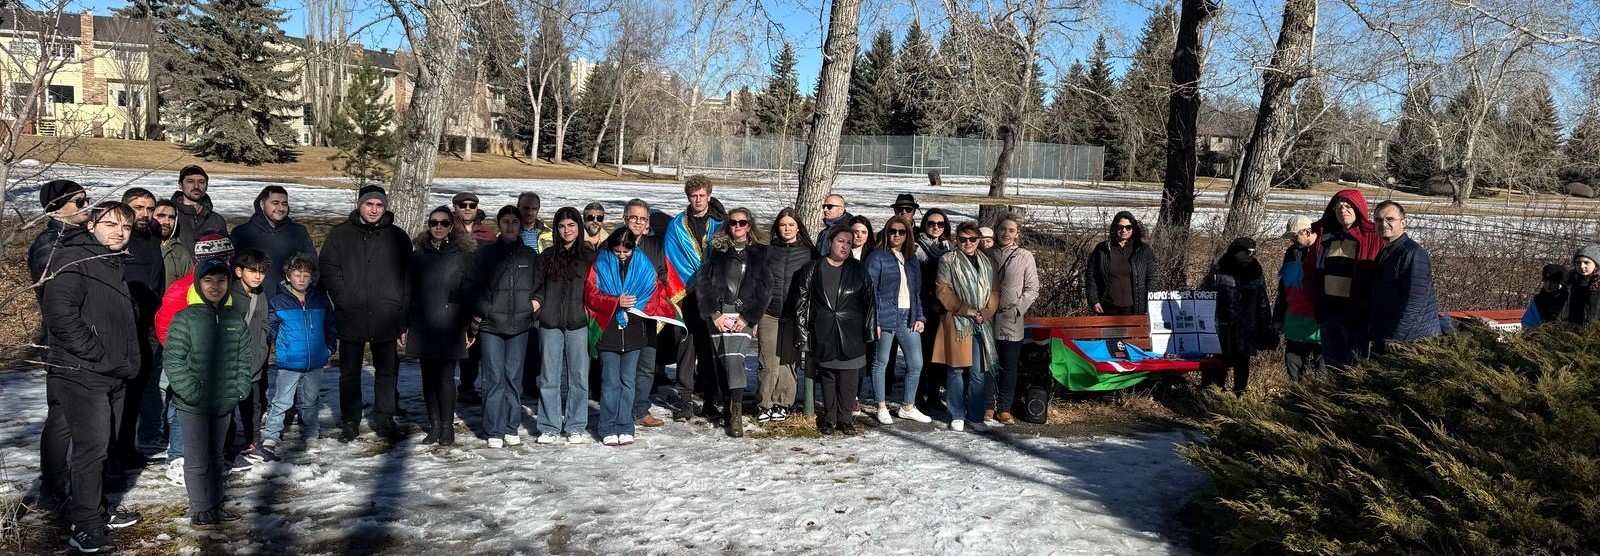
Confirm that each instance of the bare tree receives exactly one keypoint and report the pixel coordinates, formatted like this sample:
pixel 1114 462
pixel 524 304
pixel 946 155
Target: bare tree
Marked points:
pixel 713 52
pixel 1183 110
pixel 833 90
pixel 1263 155
pixel 327 58
pixel 434 29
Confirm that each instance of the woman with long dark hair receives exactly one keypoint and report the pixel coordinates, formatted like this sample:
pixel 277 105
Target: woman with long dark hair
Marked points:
pixel 1121 269
pixel 564 333
pixel 933 241
pixel 860 237
pixel 622 293
pixel 789 251
pixel 504 274
pixel 1583 287
pixel 733 294
pixel 437 331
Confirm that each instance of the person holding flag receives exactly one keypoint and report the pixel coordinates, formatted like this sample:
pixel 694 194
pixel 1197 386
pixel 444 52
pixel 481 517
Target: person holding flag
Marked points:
pixel 687 238
pixel 623 295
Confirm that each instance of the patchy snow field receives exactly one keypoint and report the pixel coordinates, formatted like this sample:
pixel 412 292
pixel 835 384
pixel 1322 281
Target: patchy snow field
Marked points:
pixel 682 489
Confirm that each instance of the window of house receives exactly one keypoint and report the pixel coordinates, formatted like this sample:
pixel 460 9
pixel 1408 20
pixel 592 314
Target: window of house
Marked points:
pixel 1341 152
pixel 63 94
pixel 308 116
pixel 127 98
pixel 64 50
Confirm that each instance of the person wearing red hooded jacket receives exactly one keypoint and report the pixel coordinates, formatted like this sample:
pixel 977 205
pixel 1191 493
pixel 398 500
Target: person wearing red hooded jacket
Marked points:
pixel 1339 276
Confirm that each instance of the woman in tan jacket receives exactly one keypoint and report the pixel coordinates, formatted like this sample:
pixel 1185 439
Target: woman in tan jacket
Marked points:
pixel 965 341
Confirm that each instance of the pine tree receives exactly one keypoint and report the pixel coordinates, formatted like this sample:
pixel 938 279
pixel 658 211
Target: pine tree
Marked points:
pixel 591 106
pixel 239 73
pixel 915 95
pixel 1581 152
pixel 1105 128
pixel 1143 101
pixel 1308 160
pixel 780 108
pixel 1069 113
pixel 361 128
pixel 1529 140
pixel 1413 155
pixel 872 88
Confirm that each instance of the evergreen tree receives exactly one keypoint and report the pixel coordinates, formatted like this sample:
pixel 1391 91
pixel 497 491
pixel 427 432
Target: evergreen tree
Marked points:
pixel 780 108
pixel 1105 126
pixel 915 68
pixel 1413 152
pixel 1308 160
pixel 592 106
pixel 1581 152
pixel 1143 101
pixel 1069 113
pixel 872 88
pixel 239 73
pixel 1529 140
pixel 361 128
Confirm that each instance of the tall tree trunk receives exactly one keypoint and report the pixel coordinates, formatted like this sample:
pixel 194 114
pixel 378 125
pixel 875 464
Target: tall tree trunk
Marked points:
pixel 1183 110
pixel 833 94
pixel 561 133
pixel 599 138
pixel 988 213
pixel 425 116
pixel 1263 155
pixel 622 136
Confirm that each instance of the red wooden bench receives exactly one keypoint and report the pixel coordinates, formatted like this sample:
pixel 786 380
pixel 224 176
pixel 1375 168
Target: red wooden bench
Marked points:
pixel 1132 329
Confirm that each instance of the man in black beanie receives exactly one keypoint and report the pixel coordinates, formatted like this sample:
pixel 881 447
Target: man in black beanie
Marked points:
pixel 67 206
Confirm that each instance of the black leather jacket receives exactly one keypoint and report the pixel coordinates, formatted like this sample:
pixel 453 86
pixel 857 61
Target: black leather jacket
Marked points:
pixel 834 326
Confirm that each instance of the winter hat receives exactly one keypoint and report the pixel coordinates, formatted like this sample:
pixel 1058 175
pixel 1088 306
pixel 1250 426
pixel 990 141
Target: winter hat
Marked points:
pixel 54 194
pixel 191 170
pixel 463 197
pixel 1242 244
pixel 1553 273
pixel 1590 251
pixel 986 232
pixel 905 200
pixel 213 245
pixel 1296 223
pixel 372 192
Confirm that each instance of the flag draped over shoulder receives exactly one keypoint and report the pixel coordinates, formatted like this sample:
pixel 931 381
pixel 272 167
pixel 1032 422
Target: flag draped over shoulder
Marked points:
pixel 684 254
pixel 607 283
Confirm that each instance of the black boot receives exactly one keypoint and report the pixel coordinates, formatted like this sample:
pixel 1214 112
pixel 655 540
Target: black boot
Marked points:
pixel 432 436
pixel 447 434
pixel 736 412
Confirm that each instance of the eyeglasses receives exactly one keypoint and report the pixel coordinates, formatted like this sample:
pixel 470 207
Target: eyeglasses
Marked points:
pixel 967 239
pixel 904 210
pixel 439 223
pixel 897 232
pixel 738 223
pixel 830 207
pixel 1124 228
pixel 636 218
pixel 936 224
pixel 467 205
pixel 594 218
pixel 80 201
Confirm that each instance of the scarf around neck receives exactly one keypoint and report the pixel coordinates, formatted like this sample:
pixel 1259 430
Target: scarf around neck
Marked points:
pixel 973 284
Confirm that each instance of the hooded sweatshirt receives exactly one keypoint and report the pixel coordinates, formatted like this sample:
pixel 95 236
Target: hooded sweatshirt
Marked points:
pixel 1340 266
pixel 279 242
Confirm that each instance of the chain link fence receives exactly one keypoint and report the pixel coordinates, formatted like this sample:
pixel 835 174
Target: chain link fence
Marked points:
pixel 883 154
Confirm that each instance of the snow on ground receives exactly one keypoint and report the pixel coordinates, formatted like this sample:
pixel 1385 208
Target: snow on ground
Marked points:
pixel 682 489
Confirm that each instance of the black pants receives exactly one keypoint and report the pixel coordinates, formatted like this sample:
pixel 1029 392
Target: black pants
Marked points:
pixel 694 351
pixel 127 445
pixel 533 363
pixel 252 409
pixel 929 398
pixel 439 392
pixel 839 389
pixel 1005 395
pixel 1115 310
pixel 204 447
pixel 385 380
pixel 1219 377
pixel 469 368
pixel 53 444
pixel 1300 358
pixel 92 404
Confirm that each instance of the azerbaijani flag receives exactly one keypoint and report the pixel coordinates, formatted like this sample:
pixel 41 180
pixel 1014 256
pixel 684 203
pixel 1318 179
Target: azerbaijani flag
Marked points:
pixel 1087 366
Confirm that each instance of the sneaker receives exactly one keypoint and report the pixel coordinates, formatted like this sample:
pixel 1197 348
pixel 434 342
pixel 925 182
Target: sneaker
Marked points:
pixel 958 425
pixel 577 438
pixel 224 515
pixel 847 430
pixel 261 453
pixel 783 413
pixel 547 438
pixel 513 440
pixel 239 465
pixel 980 426
pixel 764 415
pixel 205 519
pixel 883 416
pixel 313 445
pixel 624 439
pixel 175 472
pixel 611 440
pixel 497 442
pixel 649 421
pixel 119 517
pixel 910 412
pixel 94 539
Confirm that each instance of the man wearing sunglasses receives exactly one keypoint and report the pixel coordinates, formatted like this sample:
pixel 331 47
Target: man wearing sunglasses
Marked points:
pixel 67 207
pixel 833 214
pixel 595 227
pixel 468 218
pixel 905 205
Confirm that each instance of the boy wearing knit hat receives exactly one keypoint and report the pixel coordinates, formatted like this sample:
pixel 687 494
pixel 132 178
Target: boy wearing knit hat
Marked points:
pixel 212 246
pixel 1294 314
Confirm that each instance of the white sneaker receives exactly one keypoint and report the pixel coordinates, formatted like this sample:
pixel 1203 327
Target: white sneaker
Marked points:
pixel 611 440
pixel 577 438
pixel 175 472
pixel 993 424
pixel 625 439
pixel 497 442
pixel 513 440
pixel 958 425
pixel 980 426
pixel 883 416
pixel 547 438
pixel 911 412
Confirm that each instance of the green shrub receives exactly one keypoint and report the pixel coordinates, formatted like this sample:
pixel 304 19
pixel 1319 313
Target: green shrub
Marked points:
pixel 1465 444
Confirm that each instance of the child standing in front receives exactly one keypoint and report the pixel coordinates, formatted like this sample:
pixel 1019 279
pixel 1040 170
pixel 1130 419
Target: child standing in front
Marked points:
pixel 300 327
pixel 207 361
pixel 1546 305
pixel 249 299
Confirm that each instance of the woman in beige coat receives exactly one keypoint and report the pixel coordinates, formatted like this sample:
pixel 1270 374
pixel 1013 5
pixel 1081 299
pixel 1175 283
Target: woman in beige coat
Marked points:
pixel 1017 278
pixel 965 341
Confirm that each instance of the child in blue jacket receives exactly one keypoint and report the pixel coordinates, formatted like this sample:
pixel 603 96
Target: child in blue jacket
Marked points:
pixel 300 328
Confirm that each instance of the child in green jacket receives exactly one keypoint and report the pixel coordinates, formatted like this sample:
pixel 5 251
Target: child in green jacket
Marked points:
pixel 207 361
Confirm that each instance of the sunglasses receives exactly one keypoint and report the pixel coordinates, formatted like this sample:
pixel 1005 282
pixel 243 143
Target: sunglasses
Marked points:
pixel 467 205
pixel 967 239
pixel 830 207
pixel 594 218
pixel 1124 228
pixel 935 224
pixel 897 232
pixel 439 223
pixel 738 223
pixel 80 201
pixel 904 210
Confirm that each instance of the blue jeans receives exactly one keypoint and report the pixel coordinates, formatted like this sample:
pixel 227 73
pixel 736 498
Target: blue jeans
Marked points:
pixel 294 388
pixel 566 361
pixel 968 387
pixel 644 380
pixel 617 373
pixel 895 329
pixel 1341 344
pixel 174 424
pixel 501 379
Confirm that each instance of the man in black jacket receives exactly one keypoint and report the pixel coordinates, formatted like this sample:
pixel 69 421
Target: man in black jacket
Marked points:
pixel 274 233
pixel 195 216
pixel 363 265
pixel 94 350
pixel 146 275
pixel 67 206
pixel 1404 305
